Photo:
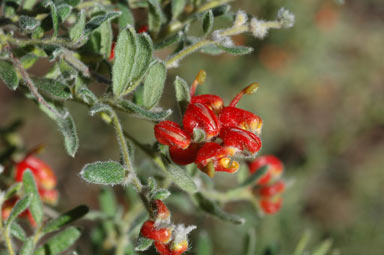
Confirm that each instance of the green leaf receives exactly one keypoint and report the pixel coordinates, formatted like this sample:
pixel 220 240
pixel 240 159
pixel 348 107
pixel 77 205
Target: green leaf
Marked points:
pixel 183 95
pixel 304 240
pixel 128 106
pixel 96 21
pixel 30 187
pixel 28 60
pixel 66 126
pixel 83 92
pixel 212 208
pixel 211 50
pixel 142 59
pixel 125 53
pixel 78 29
pixel 106 36
pixel 204 244
pixel 221 10
pixel 169 41
pixel 143 244
pixel 154 84
pixel 254 177
pixel 28 23
pixel 323 248
pixel 99 107
pixel 107 201
pixel 66 218
pixel 54 17
pixel 236 50
pixel 18 232
pixel 53 88
pixel 161 194
pixel 126 17
pixel 20 206
pixel 177 8
pixel 59 242
pixel 208 22
pixel 108 173
pixel 64 10
pixel 8 75
pixel 181 178
pixel 155 16
pixel 28 247
pixel 12 190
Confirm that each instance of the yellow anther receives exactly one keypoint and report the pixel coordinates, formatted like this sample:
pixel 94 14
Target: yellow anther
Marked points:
pixel 251 88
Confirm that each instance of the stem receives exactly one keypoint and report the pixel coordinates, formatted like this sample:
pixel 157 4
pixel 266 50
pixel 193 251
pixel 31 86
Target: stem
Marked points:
pixel 125 152
pixel 28 81
pixel 8 240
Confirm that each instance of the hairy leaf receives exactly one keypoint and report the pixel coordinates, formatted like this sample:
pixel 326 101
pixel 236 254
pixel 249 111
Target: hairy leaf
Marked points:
pixel 53 88
pixel 30 187
pixel 126 17
pixel 128 106
pixel 28 246
pixel 107 201
pixel 236 50
pixel 28 23
pixel 143 244
pixel 20 206
pixel 108 173
pixel 96 21
pixel 183 96
pixel 208 22
pixel 8 75
pixel 212 208
pixel 154 84
pixel 125 53
pixel 18 232
pixel 59 242
pixel 181 178
pixel 66 218
pixel 78 29
pixel 177 8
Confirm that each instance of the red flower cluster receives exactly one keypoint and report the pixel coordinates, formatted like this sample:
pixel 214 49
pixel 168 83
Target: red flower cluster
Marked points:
pixel 270 185
pixel 212 133
pixel 169 239
pixel 45 181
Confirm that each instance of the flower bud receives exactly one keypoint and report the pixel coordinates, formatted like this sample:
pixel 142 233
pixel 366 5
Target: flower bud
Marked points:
pixel 273 189
pixel 142 29
pixel 162 248
pixel 49 196
pixel 148 230
pixel 179 247
pixel 213 156
pixel 236 117
pixel 199 116
pixel 184 157
pixel 213 102
pixel 112 54
pixel 160 210
pixel 274 171
pixel 248 143
pixel 169 133
pixel 271 205
pixel 44 176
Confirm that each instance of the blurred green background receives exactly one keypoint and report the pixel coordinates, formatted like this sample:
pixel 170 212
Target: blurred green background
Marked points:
pixel 321 98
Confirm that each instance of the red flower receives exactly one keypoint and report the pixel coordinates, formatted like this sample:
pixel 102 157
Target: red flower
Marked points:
pixel 213 157
pixel 169 133
pixel 143 29
pixel 273 189
pixel 160 210
pixel 242 140
pixel 213 102
pixel 235 117
pixel 45 177
pixel 150 231
pixel 271 205
pixel 112 55
pixel 184 157
pixel 198 116
pixel 7 208
pixel 274 171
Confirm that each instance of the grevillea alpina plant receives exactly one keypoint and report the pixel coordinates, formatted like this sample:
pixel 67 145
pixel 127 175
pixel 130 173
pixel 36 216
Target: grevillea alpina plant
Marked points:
pixel 114 43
